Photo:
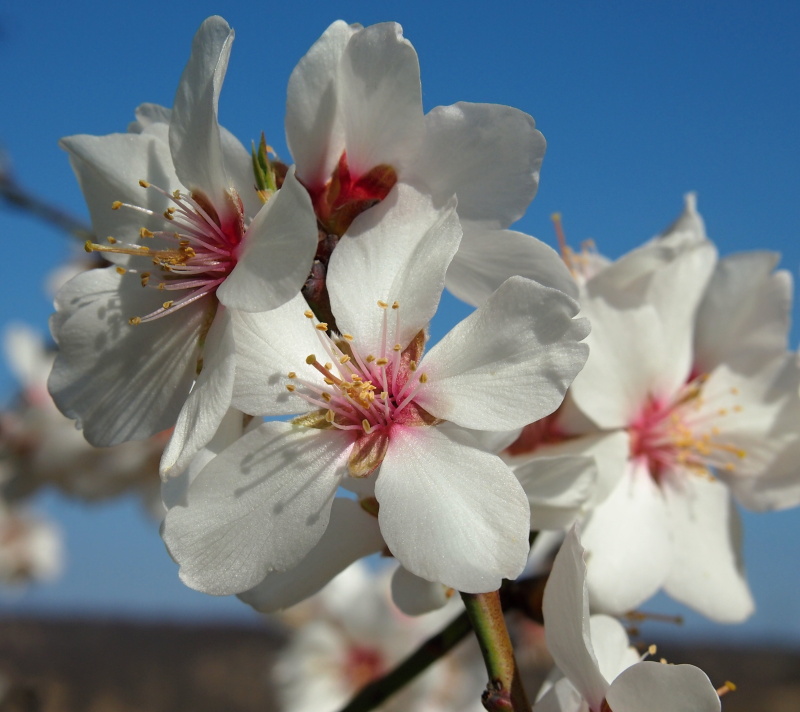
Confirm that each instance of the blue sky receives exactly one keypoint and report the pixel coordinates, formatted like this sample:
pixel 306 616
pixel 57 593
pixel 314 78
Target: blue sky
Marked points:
pixel 640 103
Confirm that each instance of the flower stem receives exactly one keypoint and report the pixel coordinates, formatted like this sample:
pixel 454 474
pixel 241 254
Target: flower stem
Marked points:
pixel 504 692
pixel 377 692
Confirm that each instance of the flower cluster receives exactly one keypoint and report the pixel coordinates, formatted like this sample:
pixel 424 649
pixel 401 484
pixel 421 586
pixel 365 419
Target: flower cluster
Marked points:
pixel 241 289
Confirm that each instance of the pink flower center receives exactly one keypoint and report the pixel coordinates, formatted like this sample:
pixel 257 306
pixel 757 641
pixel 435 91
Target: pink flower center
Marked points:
pixel 547 431
pixel 345 196
pixel 363 393
pixel 362 665
pixel 194 254
pixel 684 432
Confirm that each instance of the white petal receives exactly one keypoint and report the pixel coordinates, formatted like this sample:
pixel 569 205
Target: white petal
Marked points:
pixel 279 248
pixel 259 506
pixel 194 135
pixel 122 382
pixel 109 169
pixel 270 345
pixel 450 513
pixel 489 155
pixel 628 541
pixel 380 100
pixel 609 451
pixel 557 489
pixel 351 535
pixel 561 697
pixel 777 487
pixel 708 572
pixel 415 596
pixel 566 615
pixel 628 363
pixel 238 163
pixel 675 292
pixel 208 402
pixel 487 257
pixel 743 320
pixel 657 687
pixel 313 133
pixel 689 226
pixel 174 490
pixel 397 251
pixel 149 116
pixel 611 646
pixel 509 363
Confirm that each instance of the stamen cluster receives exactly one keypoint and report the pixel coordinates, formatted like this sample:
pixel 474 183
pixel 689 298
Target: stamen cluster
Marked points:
pixel 364 392
pixel 204 254
pixel 684 432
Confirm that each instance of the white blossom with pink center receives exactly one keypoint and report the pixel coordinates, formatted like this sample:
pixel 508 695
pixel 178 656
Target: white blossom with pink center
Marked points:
pixel 705 418
pixel 176 211
pixel 597 669
pixel 449 512
pixel 355 127
pixel 351 634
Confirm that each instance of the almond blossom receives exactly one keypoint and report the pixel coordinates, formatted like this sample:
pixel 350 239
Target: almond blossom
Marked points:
pixel 703 418
pixel 355 127
pixel 599 672
pixel 447 511
pixel 351 634
pixel 185 228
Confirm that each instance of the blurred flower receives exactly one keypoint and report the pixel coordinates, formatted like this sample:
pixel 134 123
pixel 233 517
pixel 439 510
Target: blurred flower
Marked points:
pixel 689 368
pixel 40 447
pixel 350 635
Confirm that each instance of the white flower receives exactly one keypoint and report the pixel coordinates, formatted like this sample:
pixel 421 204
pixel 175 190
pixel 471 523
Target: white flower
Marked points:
pixel 30 548
pixel 351 634
pixel 449 512
pixel 601 673
pixel 176 197
pixel 355 127
pixel 689 365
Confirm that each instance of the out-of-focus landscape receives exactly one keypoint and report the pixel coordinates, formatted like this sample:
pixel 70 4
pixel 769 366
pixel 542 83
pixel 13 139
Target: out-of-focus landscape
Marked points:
pixel 51 665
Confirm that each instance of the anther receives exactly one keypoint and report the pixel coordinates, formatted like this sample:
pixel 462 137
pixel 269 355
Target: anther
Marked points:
pixel 144 184
pixel 381 361
pixel 344 359
pixel 144 232
pixel 135 320
pixel 382 304
pixel 397 347
pixel 322 326
pixel 167 304
pixel 347 337
pixel 423 378
pixel 121 270
pixel 111 240
pixel 290 387
pixel 311 359
pixel 367 427
pixel 395 305
pixel 292 374
pixel 116 205
pixel 308 314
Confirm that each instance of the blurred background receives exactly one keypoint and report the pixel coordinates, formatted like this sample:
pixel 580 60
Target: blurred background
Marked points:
pixel 639 102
